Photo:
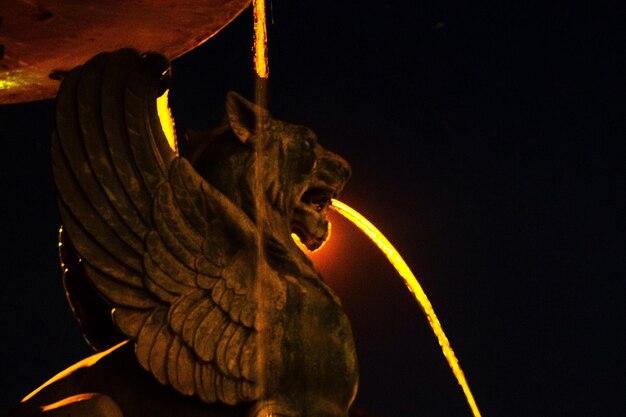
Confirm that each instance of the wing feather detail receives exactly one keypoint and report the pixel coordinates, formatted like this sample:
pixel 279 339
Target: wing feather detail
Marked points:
pixel 73 149
pixel 185 369
pixel 99 257
pixel 112 195
pixel 115 74
pixel 208 333
pixel 180 232
pixel 191 204
pixel 195 317
pixel 130 320
pixel 167 250
pixel 159 352
pixel 159 283
pixel 247 356
pixel 228 390
pixel 103 240
pixel 117 293
pixel 164 259
pixel 147 335
pixel 170 239
pixel 208 381
pixel 182 308
pixel 220 351
pixel 172 363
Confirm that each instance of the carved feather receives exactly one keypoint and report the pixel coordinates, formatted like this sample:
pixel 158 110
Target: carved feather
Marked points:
pixel 168 251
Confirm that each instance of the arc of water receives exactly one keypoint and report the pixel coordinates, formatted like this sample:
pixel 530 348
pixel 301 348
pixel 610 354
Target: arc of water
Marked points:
pixel 415 288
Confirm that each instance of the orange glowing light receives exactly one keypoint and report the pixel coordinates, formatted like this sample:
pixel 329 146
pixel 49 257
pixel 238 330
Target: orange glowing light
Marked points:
pixel 85 363
pixel 73 400
pixel 415 288
pixel 260 39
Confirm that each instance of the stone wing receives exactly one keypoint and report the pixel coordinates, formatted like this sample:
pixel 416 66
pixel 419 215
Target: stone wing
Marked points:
pixel 174 258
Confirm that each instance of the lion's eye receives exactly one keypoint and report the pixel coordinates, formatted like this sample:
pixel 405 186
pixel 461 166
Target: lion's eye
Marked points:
pixel 310 143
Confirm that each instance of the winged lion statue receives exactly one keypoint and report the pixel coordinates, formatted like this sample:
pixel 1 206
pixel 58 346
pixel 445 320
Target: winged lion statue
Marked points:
pixel 219 311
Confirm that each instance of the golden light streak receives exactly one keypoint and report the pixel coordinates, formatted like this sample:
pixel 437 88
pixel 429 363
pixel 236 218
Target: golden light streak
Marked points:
pixel 415 288
pixel 167 121
pixel 85 363
pixel 260 39
pixel 74 400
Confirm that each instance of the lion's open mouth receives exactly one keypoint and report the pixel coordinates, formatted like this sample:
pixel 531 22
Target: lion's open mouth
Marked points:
pixel 309 220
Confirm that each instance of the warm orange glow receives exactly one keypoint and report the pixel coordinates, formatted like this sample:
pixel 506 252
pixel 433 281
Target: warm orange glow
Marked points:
pixel 260 39
pixel 415 288
pixel 67 401
pixel 85 363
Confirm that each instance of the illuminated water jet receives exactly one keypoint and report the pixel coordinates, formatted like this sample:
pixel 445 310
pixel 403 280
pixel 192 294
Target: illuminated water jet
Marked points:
pixel 415 288
pixel 260 39
pixel 262 70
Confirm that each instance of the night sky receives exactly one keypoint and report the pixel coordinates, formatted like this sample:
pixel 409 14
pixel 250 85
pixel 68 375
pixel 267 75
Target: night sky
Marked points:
pixel 485 143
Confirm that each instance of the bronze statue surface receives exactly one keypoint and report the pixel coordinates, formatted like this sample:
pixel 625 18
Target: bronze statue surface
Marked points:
pixel 195 257
pixel 42 40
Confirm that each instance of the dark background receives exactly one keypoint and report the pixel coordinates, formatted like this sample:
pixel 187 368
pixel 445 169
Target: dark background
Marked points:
pixel 485 139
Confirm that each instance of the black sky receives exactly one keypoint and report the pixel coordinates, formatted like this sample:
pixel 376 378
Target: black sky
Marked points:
pixel 485 140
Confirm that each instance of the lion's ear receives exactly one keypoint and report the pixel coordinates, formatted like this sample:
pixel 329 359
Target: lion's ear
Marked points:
pixel 245 117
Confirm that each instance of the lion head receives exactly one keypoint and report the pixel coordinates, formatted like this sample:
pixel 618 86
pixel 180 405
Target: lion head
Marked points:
pixel 252 156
